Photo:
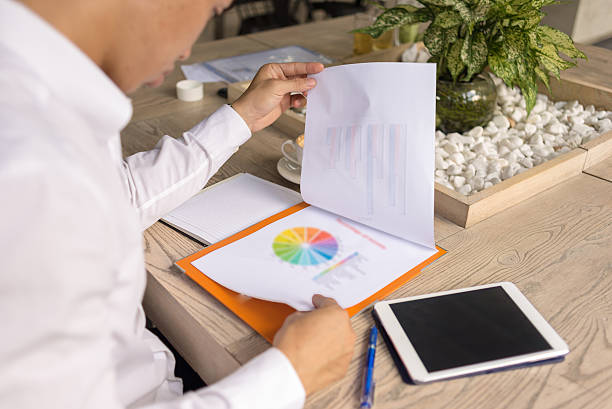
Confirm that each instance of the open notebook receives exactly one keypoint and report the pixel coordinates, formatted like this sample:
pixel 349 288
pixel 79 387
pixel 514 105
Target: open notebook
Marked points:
pixel 368 178
pixel 230 206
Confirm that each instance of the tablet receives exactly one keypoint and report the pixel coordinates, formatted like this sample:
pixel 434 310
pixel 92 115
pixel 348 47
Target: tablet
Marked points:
pixel 465 332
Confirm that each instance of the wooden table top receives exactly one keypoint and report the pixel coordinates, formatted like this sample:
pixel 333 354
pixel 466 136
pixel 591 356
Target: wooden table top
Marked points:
pixel 556 247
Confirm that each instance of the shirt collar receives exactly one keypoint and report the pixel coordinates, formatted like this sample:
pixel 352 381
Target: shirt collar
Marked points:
pixel 66 70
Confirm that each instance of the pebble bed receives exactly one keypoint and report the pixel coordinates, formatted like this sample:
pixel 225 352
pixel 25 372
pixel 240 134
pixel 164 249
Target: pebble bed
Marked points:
pixel 513 142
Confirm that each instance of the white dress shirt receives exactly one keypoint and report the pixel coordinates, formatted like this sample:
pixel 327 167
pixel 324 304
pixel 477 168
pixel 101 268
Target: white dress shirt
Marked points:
pixel 72 272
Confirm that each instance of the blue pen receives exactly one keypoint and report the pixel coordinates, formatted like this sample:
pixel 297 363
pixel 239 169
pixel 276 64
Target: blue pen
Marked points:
pixel 367 396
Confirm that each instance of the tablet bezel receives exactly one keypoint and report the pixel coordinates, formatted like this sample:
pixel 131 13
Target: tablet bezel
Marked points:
pixel 415 367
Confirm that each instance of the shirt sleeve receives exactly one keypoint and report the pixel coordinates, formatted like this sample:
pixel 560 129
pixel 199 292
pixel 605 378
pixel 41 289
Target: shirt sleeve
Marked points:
pixel 268 381
pixel 163 178
pixel 56 291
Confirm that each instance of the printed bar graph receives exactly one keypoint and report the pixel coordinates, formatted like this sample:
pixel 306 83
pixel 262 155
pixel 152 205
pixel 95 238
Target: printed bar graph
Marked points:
pixel 374 153
pixel 347 269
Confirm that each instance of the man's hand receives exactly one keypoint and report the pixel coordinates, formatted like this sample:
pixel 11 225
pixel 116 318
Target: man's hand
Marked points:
pixel 269 94
pixel 318 343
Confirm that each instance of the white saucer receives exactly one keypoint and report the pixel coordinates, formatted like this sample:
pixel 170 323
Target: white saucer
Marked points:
pixel 289 171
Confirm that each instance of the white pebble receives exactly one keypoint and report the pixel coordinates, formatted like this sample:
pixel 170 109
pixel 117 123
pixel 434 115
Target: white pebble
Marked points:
pixel 581 129
pixel 515 142
pixel 518 154
pixel 455 138
pixel 536 140
pixel 501 122
pixel 477 183
pixel 465 190
pixel 535 119
pixel 530 129
pixel 454 169
pixel 556 128
pixel 458 158
pixel 459 181
pixel 543 150
pixel 450 147
pixel 604 125
pixel 576 119
pixel 491 129
pixel 470 171
pixel 504 149
pixel 518 114
pixel 476 132
pixel 527 162
pixel 546 118
pixel 540 106
pixel 441 163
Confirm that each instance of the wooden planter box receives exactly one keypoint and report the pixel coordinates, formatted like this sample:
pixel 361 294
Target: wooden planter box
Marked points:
pixel 590 83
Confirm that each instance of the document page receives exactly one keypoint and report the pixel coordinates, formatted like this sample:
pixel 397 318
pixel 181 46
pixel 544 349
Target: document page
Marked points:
pixel 312 252
pixel 369 146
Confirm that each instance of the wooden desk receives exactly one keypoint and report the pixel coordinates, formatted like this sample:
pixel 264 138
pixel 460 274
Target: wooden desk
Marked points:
pixel 556 247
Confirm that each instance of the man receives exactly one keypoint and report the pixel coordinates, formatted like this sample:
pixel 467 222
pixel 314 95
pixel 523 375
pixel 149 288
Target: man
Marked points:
pixel 73 211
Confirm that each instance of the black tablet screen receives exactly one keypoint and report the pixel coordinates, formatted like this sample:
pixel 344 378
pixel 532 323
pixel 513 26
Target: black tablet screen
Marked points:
pixel 467 328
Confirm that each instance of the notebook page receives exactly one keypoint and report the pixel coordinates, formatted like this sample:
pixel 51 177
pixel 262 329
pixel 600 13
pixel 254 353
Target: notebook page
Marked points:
pixel 230 206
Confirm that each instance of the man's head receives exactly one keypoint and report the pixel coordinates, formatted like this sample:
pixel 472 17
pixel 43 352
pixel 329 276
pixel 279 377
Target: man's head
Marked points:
pixel 134 41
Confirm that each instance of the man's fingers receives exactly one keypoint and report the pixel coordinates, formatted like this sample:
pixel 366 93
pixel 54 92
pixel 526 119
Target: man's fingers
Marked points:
pixel 282 87
pixel 293 69
pixel 320 301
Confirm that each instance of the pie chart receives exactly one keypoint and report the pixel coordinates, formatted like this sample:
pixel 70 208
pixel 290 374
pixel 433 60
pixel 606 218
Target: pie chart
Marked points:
pixel 305 246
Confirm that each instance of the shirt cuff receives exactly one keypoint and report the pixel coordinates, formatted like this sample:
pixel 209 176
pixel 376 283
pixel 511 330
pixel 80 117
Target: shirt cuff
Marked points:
pixel 268 381
pixel 222 133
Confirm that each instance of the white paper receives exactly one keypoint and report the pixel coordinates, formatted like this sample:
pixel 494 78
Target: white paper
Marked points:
pixel 199 72
pixel 336 257
pixel 369 146
pixel 231 206
pixel 244 67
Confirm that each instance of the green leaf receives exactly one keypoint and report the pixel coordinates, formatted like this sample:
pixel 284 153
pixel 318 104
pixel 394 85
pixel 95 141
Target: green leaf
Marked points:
pixel 482 9
pixel 448 19
pixel 465 12
pixel 501 66
pixel 474 54
pixel 454 63
pixel 543 76
pixel 529 89
pixel 393 18
pixel 515 42
pixel 434 39
pixel 548 57
pixel 560 40
pixel 438 40
pixel 438 2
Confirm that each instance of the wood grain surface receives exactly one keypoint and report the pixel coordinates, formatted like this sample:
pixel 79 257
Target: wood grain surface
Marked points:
pixel 602 170
pixel 556 246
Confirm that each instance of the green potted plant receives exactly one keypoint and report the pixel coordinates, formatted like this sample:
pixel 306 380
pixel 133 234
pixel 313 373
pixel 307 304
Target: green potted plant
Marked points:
pixel 465 37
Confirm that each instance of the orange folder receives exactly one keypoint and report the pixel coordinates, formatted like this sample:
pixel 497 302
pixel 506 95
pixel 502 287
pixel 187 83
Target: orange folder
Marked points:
pixel 267 317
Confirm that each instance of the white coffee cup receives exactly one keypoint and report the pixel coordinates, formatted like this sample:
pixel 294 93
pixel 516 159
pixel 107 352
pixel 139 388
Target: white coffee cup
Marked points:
pixel 294 153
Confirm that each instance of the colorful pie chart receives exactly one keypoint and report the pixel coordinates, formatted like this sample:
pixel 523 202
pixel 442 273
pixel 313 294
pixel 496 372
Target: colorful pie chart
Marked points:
pixel 305 246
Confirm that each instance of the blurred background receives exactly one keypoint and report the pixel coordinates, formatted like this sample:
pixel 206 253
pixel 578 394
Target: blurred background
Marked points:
pixel 586 21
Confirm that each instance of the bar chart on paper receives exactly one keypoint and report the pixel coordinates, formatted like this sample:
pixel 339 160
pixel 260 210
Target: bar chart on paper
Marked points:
pixel 373 153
